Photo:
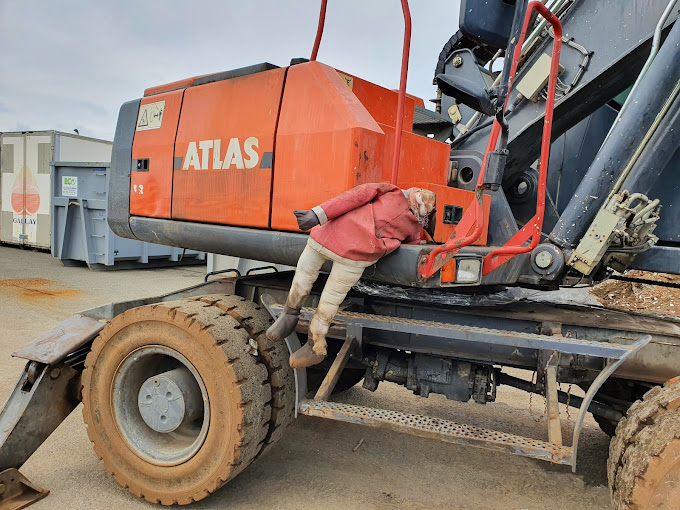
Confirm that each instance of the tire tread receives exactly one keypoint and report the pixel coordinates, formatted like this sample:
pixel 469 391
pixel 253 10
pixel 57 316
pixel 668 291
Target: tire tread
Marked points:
pixel 251 382
pixel 641 437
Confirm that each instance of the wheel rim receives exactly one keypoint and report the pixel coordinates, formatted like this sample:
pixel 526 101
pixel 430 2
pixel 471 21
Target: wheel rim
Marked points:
pixel 160 405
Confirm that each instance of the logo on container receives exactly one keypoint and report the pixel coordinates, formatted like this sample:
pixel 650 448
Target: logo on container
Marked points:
pixel 25 195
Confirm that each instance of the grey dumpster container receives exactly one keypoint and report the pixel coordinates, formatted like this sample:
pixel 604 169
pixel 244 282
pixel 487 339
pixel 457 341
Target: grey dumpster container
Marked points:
pixel 80 231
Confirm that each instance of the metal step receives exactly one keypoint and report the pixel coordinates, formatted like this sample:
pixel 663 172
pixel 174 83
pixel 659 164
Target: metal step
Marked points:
pixel 475 334
pixel 435 428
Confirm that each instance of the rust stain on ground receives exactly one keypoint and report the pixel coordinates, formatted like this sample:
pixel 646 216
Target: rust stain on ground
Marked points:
pixel 31 288
pixel 26 282
pixel 43 293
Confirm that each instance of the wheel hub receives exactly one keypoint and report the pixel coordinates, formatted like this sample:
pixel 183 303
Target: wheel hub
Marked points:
pixel 161 405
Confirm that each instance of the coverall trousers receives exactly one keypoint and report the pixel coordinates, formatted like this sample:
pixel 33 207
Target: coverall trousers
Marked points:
pixel 342 277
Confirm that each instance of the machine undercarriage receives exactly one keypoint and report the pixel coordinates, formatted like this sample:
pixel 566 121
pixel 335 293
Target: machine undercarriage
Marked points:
pixel 450 316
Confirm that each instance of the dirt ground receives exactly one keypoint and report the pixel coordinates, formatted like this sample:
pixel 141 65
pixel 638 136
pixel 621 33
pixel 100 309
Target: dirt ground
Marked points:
pixel 315 465
pixel 641 297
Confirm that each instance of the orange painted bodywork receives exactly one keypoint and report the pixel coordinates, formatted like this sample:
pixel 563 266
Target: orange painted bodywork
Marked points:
pixel 327 143
pixel 448 274
pixel 151 191
pixel 452 196
pixel 175 85
pixel 380 102
pixel 422 159
pixel 325 132
pixel 237 109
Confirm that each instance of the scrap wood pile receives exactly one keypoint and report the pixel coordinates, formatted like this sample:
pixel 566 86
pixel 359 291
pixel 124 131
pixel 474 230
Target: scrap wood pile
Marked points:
pixel 641 297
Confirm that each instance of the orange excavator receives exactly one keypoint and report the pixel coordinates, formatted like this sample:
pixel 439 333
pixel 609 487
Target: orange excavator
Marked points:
pixel 544 174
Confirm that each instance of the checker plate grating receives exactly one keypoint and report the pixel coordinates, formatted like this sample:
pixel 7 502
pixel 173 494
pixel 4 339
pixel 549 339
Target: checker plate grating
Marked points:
pixel 435 428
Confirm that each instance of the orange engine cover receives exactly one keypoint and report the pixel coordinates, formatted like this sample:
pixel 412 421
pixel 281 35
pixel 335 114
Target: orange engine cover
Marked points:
pixel 249 149
pixel 326 143
pixel 224 149
pixel 153 149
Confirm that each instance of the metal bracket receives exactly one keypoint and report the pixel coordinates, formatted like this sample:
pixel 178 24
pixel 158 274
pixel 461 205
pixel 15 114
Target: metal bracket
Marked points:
pixel 57 343
pixel 17 492
pixel 41 400
pixel 355 331
pixel 548 370
pixel 554 423
pixel 337 367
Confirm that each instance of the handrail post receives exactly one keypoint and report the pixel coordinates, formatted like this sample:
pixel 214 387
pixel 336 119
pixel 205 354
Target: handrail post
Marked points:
pixel 402 92
pixel 401 102
pixel 319 30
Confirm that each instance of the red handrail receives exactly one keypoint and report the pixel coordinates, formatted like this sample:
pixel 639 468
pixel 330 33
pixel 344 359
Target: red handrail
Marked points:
pixel 402 79
pixel 402 91
pixel 473 216
pixel 514 246
pixel 442 254
pixel 319 30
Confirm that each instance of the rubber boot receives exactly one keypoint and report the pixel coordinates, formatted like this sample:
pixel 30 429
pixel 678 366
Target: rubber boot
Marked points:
pixel 305 357
pixel 284 325
pixel 318 329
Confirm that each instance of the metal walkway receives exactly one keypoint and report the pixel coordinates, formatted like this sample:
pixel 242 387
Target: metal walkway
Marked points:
pixel 435 428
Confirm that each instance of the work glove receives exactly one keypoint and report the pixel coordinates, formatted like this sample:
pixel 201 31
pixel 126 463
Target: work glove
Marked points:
pixel 306 219
pixel 431 223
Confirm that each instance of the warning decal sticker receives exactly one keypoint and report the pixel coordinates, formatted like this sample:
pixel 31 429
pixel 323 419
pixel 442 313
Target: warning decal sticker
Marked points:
pixel 348 80
pixel 150 116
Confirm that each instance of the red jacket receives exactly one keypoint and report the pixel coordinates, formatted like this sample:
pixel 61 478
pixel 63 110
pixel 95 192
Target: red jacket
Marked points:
pixel 366 223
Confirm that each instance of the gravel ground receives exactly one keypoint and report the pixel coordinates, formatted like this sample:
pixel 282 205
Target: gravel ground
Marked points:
pixel 314 466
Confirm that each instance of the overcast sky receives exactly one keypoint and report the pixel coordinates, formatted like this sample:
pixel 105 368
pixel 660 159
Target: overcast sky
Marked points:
pixel 69 64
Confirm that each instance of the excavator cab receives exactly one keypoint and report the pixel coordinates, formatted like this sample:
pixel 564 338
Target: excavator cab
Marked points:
pixel 489 23
pixel 491 26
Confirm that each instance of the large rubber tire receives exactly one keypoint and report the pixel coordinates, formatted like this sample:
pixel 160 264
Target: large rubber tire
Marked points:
pixel 644 457
pixel 274 355
pixel 218 347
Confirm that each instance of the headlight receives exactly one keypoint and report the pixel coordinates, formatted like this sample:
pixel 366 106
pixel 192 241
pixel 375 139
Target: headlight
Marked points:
pixel 462 271
pixel 468 271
